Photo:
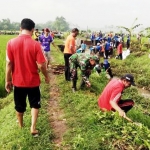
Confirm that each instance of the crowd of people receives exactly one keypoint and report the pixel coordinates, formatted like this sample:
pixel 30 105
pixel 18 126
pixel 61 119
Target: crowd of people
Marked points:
pixel 26 55
pixel 105 44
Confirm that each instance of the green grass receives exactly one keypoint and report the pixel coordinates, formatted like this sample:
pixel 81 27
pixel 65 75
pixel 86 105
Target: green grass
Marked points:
pixel 88 127
pixel 91 129
pixel 14 138
pixel 3 42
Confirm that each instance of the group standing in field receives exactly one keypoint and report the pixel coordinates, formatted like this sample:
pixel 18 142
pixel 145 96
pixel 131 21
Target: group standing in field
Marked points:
pixel 102 46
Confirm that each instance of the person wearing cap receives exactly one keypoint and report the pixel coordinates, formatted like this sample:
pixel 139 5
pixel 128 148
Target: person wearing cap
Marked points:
pixel 110 98
pixel 86 63
pixel 106 66
pixel 45 41
pixel 70 48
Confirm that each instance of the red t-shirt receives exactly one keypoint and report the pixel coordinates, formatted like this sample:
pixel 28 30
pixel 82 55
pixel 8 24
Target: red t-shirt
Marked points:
pixel 25 53
pixel 111 91
pixel 119 49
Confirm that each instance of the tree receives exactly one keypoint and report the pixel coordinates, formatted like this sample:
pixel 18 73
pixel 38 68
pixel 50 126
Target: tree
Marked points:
pixel 131 29
pixel 60 24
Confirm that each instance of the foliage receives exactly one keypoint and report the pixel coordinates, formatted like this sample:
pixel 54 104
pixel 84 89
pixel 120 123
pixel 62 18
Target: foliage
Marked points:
pixel 131 29
pixel 5 24
pixel 59 24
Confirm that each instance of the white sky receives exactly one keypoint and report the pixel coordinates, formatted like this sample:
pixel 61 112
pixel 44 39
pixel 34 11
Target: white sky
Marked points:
pixel 91 13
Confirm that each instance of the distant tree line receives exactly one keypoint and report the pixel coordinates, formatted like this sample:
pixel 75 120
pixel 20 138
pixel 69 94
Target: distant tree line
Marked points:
pixel 60 24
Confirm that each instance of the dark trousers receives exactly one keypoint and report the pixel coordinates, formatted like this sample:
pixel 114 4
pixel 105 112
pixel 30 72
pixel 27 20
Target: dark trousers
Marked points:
pixel 128 45
pixel 126 105
pixel 120 56
pixel 106 53
pixel 67 68
pixel 110 72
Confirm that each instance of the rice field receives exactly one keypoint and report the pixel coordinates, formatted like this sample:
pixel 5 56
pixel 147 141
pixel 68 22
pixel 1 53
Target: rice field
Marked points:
pixel 3 42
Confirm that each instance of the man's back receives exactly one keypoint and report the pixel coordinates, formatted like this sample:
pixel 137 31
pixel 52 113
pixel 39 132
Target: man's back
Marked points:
pixel 25 53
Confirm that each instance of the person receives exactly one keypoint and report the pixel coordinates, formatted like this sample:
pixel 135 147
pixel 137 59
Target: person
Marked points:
pixel 107 49
pixel 70 48
pixel 24 58
pixel 98 48
pixel 115 40
pixel 106 66
pixel 110 98
pixel 111 49
pixel 83 47
pixel 119 51
pixel 52 34
pixel 128 42
pixel 45 41
pixel 92 38
pixel 36 34
pixel 86 63
pixel 109 38
pixel 42 33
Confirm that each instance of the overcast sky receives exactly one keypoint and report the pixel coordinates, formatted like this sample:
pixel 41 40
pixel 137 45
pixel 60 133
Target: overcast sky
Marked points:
pixel 91 13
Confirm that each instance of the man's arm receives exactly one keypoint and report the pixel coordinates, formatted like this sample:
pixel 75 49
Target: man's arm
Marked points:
pixel 114 104
pixel 8 77
pixel 42 67
pixel 84 77
pixel 54 45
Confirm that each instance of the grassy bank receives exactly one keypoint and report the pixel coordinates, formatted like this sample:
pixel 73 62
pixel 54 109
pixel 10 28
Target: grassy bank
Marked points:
pixel 14 138
pixel 91 129
pixel 136 63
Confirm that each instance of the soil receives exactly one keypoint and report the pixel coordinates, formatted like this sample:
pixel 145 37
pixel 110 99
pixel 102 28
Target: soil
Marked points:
pixel 57 120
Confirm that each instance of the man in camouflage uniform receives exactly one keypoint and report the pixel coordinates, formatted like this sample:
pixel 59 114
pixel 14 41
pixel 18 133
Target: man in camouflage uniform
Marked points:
pixel 86 63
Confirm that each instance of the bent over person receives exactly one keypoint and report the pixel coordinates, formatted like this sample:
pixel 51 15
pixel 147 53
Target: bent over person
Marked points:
pixel 24 57
pixel 86 63
pixel 110 98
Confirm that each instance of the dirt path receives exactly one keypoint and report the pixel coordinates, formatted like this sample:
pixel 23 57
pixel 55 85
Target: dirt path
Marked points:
pixel 57 120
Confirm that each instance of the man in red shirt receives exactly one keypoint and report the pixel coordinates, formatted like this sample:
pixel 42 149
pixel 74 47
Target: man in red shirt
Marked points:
pixel 110 98
pixel 23 58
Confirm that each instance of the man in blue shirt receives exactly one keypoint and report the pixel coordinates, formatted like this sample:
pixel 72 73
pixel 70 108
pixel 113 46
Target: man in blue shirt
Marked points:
pixel 107 48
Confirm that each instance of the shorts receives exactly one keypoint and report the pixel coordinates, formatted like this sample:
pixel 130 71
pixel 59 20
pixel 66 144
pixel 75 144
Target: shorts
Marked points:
pixel 47 55
pixel 20 95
